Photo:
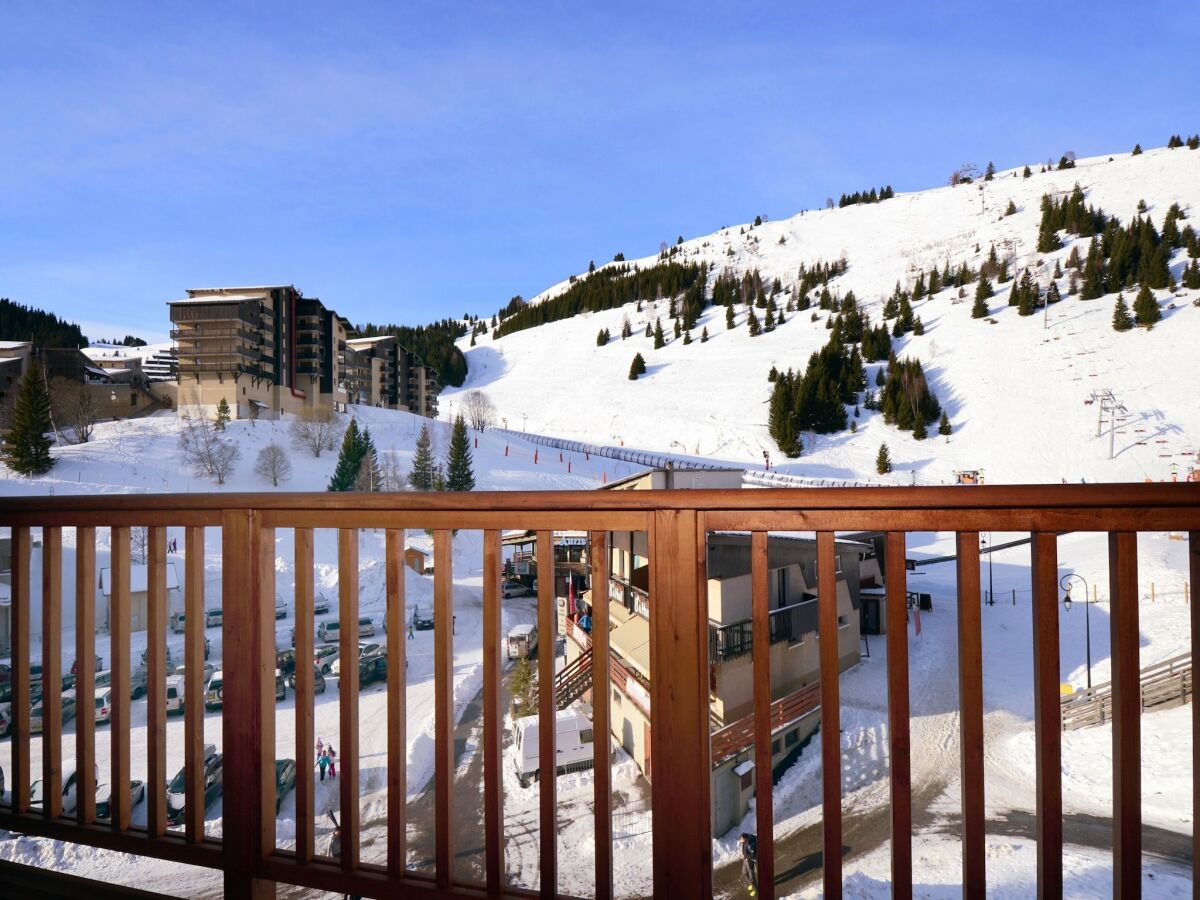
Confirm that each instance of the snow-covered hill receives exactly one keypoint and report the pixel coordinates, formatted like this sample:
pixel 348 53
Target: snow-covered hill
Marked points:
pixel 1015 388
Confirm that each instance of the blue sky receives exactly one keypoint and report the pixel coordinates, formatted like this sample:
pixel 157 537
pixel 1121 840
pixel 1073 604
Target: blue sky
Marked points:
pixel 412 161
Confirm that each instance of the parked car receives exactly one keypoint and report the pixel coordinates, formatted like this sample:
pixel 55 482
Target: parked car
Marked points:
pixel 320 604
pixel 212 617
pixel 522 641
pixel 214 694
pixel 68 712
pixel 177 623
pixel 421 624
pixel 137 681
pixel 371 669
pixel 573 740
pixel 515 589
pixel 176 798
pixel 365 651
pixel 324 657
pixel 5 721
pixel 175 694
pixel 285 661
pixel 103 704
pixel 280 686
pixel 206 671
pixel 280 609
pixel 5 681
pixel 137 793
pixel 329 631
pixel 318 681
pixel 285 780
pixel 366 628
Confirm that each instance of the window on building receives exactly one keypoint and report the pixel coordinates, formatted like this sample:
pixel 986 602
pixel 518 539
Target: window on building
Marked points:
pixel 791 739
pixel 616 697
pixel 774 747
pixel 746 780
pixel 843 622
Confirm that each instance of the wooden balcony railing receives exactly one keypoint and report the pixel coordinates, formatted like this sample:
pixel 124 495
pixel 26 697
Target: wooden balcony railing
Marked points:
pixel 677 523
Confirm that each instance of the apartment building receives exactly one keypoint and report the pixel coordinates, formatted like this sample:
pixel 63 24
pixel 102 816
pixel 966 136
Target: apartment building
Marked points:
pixel 794 655
pixel 268 350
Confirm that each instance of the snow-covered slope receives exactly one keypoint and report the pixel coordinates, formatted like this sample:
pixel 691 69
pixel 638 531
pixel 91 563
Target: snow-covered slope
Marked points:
pixel 1015 389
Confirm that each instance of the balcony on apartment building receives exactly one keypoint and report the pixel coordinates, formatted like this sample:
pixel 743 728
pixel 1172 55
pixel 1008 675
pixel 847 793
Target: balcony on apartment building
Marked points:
pixel 236 534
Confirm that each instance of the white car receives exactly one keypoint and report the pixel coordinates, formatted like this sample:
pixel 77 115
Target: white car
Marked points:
pixel 5 719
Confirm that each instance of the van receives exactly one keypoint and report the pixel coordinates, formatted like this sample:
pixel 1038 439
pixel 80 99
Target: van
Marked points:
pixel 174 694
pixel 104 704
pixel 574 744
pixel 366 628
pixel 177 622
pixel 522 641
pixel 329 631
pixel 212 617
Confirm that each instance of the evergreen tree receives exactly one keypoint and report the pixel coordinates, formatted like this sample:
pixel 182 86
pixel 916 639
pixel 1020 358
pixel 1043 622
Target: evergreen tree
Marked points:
pixel 1011 209
pixel 369 477
pixel 704 335
pixel 687 338
pixel 1191 275
pixel 1137 150
pixel 659 340
pixel 729 322
pixel 1121 320
pixel 349 461
pixel 883 460
pixel 980 309
pixel 990 172
pixel 421 476
pixel 920 432
pixel 944 424
pixel 439 478
pixel 1026 173
pixel 27 446
pixel 602 337
pixel 637 367
pixel 678 329
pixel 1145 308
pixel 222 415
pixel 983 290
pixel 649 330
pixel 459 475
pixel 1052 294
pixel 752 323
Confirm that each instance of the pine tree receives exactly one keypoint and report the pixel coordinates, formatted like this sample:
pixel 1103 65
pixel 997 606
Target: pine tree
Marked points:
pixel 1011 209
pixel 1026 173
pixel 920 432
pixel 687 338
pixel 222 415
pixel 729 321
pixel 421 476
pixel 1137 150
pixel 752 323
pixel 990 173
pixel 649 330
pixel 980 309
pixel 883 461
pixel 678 330
pixel 638 367
pixel 602 337
pixel 27 446
pixel 659 340
pixel 1145 308
pixel 350 458
pixel 459 475
pixel 704 335
pixel 369 477
pixel 983 290
pixel 1121 320
pixel 944 424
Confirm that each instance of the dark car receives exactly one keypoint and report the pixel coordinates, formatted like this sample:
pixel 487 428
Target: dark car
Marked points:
pixel 371 669
pixel 285 662
pixel 318 681
pixel 176 800
pixel 420 623
pixel 285 780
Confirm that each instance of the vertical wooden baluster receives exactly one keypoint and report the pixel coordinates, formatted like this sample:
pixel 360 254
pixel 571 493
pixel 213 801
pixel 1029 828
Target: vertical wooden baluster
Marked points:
pixel 118 729
pixel 547 716
pixel 156 675
pixel 305 739
pixel 1194 601
pixel 52 698
pixel 248 713
pixel 681 812
pixel 831 717
pixel 1047 714
pixel 443 706
pixel 397 679
pixel 760 611
pixel 193 685
pixel 20 669
pixel 899 747
pixel 601 716
pixel 493 716
pixel 85 675
pixel 348 692
pixel 970 719
pixel 1127 710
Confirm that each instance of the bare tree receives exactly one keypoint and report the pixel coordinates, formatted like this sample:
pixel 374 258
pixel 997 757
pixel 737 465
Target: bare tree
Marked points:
pixel 74 407
pixel 139 542
pixel 315 429
pixel 392 476
pixel 479 410
pixel 273 463
pixel 204 450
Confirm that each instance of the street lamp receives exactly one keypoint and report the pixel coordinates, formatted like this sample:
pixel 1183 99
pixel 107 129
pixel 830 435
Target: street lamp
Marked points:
pixel 991 599
pixel 1065 584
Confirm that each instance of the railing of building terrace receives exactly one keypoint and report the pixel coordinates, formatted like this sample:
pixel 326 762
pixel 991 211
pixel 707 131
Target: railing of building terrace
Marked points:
pixel 677 524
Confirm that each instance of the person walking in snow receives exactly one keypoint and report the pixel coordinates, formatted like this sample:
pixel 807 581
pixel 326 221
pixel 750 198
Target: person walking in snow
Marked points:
pixel 320 746
pixel 332 756
pixel 323 763
pixel 748 844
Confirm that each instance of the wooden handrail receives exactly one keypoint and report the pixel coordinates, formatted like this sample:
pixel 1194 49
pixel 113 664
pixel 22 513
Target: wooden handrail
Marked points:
pixel 677 524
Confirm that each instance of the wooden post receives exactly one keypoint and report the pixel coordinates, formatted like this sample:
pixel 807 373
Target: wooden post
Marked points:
pixel 397 843
pixel 119 722
pixel 247 723
pixel 193 687
pixel 348 694
pixel 443 706
pixel 52 673
pixel 831 714
pixel 760 623
pixel 85 676
pixel 601 717
pixel 305 742
pixel 156 678
pixel 899 745
pixel 493 717
pixel 970 693
pixel 547 721
pixel 682 812
pixel 1127 710
pixel 1047 715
